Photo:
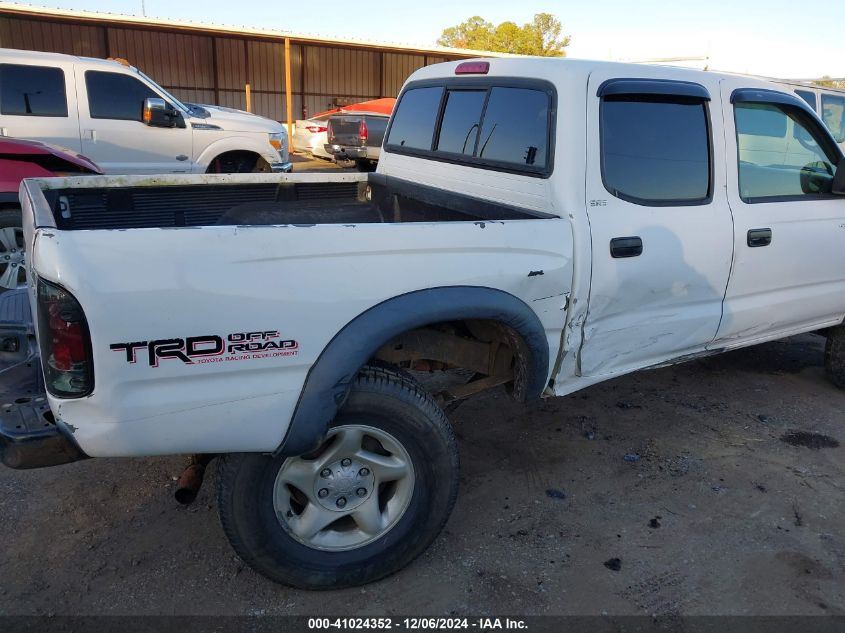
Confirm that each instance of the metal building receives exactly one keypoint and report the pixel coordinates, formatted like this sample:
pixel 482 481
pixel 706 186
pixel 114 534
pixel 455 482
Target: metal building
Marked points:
pixel 277 74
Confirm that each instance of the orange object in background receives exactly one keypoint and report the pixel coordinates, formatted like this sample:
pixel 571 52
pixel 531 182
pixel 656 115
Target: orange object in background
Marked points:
pixel 378 106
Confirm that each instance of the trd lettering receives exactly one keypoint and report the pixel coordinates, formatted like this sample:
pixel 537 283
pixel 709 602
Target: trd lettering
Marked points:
pixel 202 347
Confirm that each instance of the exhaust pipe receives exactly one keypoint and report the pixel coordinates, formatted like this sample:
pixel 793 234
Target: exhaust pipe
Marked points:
pixel 190 481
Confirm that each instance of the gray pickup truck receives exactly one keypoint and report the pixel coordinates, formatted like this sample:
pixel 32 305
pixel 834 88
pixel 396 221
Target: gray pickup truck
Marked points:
pixel 357 137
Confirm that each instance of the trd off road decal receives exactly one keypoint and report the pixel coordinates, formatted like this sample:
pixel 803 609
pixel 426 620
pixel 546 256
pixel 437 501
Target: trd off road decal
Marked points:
pixel 209 349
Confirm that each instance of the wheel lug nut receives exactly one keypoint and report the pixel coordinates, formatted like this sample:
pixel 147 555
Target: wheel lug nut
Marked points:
pixel 346 462
pixel 361 492
pixel 325 473
pixel 323 493
pixel 341 502
pixel 364 472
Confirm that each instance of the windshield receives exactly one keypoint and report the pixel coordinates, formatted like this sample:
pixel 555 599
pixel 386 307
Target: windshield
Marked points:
pixel 169 96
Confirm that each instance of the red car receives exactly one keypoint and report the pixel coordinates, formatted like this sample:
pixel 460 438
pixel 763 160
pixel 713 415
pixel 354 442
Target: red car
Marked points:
pixel 21 159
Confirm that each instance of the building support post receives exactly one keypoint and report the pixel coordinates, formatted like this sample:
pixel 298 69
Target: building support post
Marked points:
pixel 288 94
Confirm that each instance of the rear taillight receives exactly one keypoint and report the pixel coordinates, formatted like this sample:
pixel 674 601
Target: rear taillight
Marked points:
pixel 65 343
pixel 316 129
pixel 363 133
pixel 330 133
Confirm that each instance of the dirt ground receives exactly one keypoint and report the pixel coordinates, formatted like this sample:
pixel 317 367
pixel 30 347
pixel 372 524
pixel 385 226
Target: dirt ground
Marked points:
pixel 718 515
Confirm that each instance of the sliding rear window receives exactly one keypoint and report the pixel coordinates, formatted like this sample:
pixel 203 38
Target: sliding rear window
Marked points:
pixel 498 124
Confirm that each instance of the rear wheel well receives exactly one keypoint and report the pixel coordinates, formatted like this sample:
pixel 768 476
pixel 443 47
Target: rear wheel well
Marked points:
pixel 491 352
pixel 238 162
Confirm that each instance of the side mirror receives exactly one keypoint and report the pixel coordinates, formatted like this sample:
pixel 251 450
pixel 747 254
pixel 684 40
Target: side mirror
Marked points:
pixel 159 113
pixel 838 185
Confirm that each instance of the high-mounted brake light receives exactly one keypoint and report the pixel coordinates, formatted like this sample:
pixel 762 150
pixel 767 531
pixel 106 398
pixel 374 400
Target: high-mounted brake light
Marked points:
pixel 65 343
pixel 363 132
pixel 472 68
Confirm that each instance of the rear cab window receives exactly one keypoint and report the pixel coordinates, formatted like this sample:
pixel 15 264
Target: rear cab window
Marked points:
pixel 32 91
pixel 494 123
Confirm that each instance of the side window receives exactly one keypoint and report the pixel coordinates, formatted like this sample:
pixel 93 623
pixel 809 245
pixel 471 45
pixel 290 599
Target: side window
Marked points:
pixel 32 91
pixel 116 96
pixel 415 118
pixel 515 127
pixel 459 127
pixel 833 113
pixel 781 153
pixel 809 97
pixel 655 149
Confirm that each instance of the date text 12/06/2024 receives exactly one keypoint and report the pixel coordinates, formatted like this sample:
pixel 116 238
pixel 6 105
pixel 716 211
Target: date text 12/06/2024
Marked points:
pixel 416 624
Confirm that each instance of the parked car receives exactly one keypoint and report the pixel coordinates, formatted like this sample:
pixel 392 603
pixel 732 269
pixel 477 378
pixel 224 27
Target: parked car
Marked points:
pixel 630 217
pixel 309 135
pixel 357 133
pixel 828 103
pixel 125 122
pixel 21 159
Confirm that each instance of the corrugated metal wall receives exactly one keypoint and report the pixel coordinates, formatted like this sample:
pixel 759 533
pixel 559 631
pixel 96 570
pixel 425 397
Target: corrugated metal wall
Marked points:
pixel 215 69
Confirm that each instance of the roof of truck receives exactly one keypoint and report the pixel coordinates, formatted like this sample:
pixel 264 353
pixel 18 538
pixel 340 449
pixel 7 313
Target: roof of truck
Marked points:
pixel 13 54
pixel 551 68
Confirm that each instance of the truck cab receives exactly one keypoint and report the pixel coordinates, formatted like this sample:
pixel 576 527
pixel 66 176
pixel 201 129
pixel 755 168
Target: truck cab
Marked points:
pixel 113 113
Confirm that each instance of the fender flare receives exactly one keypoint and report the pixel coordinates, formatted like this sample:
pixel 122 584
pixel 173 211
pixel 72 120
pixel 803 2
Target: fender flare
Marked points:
pixel 329 379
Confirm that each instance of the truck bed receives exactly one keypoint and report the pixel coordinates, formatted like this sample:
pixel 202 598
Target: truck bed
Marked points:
pixel 130 203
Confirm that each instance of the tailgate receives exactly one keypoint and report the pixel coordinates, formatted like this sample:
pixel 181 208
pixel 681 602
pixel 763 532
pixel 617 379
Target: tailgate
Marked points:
pixel 344 130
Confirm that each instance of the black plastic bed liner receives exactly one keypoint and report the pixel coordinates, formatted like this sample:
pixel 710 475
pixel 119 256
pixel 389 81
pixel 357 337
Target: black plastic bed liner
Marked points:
pixel 380 199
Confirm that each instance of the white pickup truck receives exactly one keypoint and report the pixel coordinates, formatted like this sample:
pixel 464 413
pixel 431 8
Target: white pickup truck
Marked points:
pixel 542 224
pixel 125 122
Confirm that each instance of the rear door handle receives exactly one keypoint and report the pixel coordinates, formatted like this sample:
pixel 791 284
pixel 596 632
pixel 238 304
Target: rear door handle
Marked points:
pixel 759 237
pixel 626 247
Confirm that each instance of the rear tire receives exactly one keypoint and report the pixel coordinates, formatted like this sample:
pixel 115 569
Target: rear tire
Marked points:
pixel 12 255
pixel 834 356
pixel 390 449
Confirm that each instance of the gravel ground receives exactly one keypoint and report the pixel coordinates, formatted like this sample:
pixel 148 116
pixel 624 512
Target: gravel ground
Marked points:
pixel 712 512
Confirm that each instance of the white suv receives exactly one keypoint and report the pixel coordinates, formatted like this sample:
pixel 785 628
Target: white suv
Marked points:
pixel 828 103
pixel 125 122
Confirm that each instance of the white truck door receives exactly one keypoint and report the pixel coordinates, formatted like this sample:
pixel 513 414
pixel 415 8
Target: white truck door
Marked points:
pixel 789 268
pixel 661 229
pixel 34 102
pixel 113 134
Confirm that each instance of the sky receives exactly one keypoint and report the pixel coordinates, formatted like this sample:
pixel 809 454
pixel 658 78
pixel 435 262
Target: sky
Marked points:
pixel 774 38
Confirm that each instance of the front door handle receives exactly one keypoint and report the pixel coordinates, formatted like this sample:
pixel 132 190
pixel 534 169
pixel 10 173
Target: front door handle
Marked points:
pixel 626 247
pixel 759 237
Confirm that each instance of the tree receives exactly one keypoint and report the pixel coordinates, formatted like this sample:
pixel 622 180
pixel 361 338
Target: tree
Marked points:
pixel 539 37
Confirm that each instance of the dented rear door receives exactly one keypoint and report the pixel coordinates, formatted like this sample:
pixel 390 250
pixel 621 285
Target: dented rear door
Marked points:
pixel 661 227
